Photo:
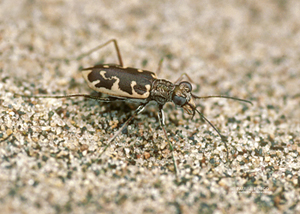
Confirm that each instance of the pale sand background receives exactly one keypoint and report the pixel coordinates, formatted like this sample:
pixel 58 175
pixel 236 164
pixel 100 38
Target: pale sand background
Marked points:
pixel 49 147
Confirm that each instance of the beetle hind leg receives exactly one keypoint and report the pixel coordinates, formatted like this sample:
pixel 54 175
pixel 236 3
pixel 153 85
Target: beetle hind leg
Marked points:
pixel 101 46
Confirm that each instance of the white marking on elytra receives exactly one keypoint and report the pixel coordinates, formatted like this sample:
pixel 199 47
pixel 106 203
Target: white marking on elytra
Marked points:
pixel 105 66
pixel 133 83
pixel 115 87
pixel 148 87
pixel 102 73
pixel 140 70
pixel 154 76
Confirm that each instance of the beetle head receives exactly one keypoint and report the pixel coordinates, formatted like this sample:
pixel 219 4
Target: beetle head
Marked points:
pixel 182 96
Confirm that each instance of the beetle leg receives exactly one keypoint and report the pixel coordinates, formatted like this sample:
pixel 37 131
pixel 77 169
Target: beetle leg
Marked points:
pixel 136 112
pixel 181 77
pixel 159 66
pixel 101 99
pixel 101 46
pixel 161 118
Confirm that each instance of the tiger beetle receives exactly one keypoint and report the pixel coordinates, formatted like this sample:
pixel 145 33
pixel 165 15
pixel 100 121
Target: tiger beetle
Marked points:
pixel 142 86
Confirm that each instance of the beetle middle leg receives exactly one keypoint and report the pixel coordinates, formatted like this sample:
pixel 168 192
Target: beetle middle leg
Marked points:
pixel 136 112
pixel 181 78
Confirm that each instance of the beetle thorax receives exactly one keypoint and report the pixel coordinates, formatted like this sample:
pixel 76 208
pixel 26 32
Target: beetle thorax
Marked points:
pixel 162 91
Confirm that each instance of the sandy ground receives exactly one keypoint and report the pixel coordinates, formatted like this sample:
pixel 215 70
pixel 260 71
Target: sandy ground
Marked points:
pixel 50 148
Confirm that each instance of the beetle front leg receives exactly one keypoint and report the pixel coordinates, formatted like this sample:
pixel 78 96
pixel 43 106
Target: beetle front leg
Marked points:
pixel 161 118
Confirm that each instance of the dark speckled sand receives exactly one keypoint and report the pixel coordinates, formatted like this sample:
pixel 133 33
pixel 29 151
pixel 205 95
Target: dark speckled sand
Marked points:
pixel 49 147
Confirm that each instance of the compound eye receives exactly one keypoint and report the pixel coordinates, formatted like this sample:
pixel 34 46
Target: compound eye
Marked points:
pixel 179 100
pixel 186 85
